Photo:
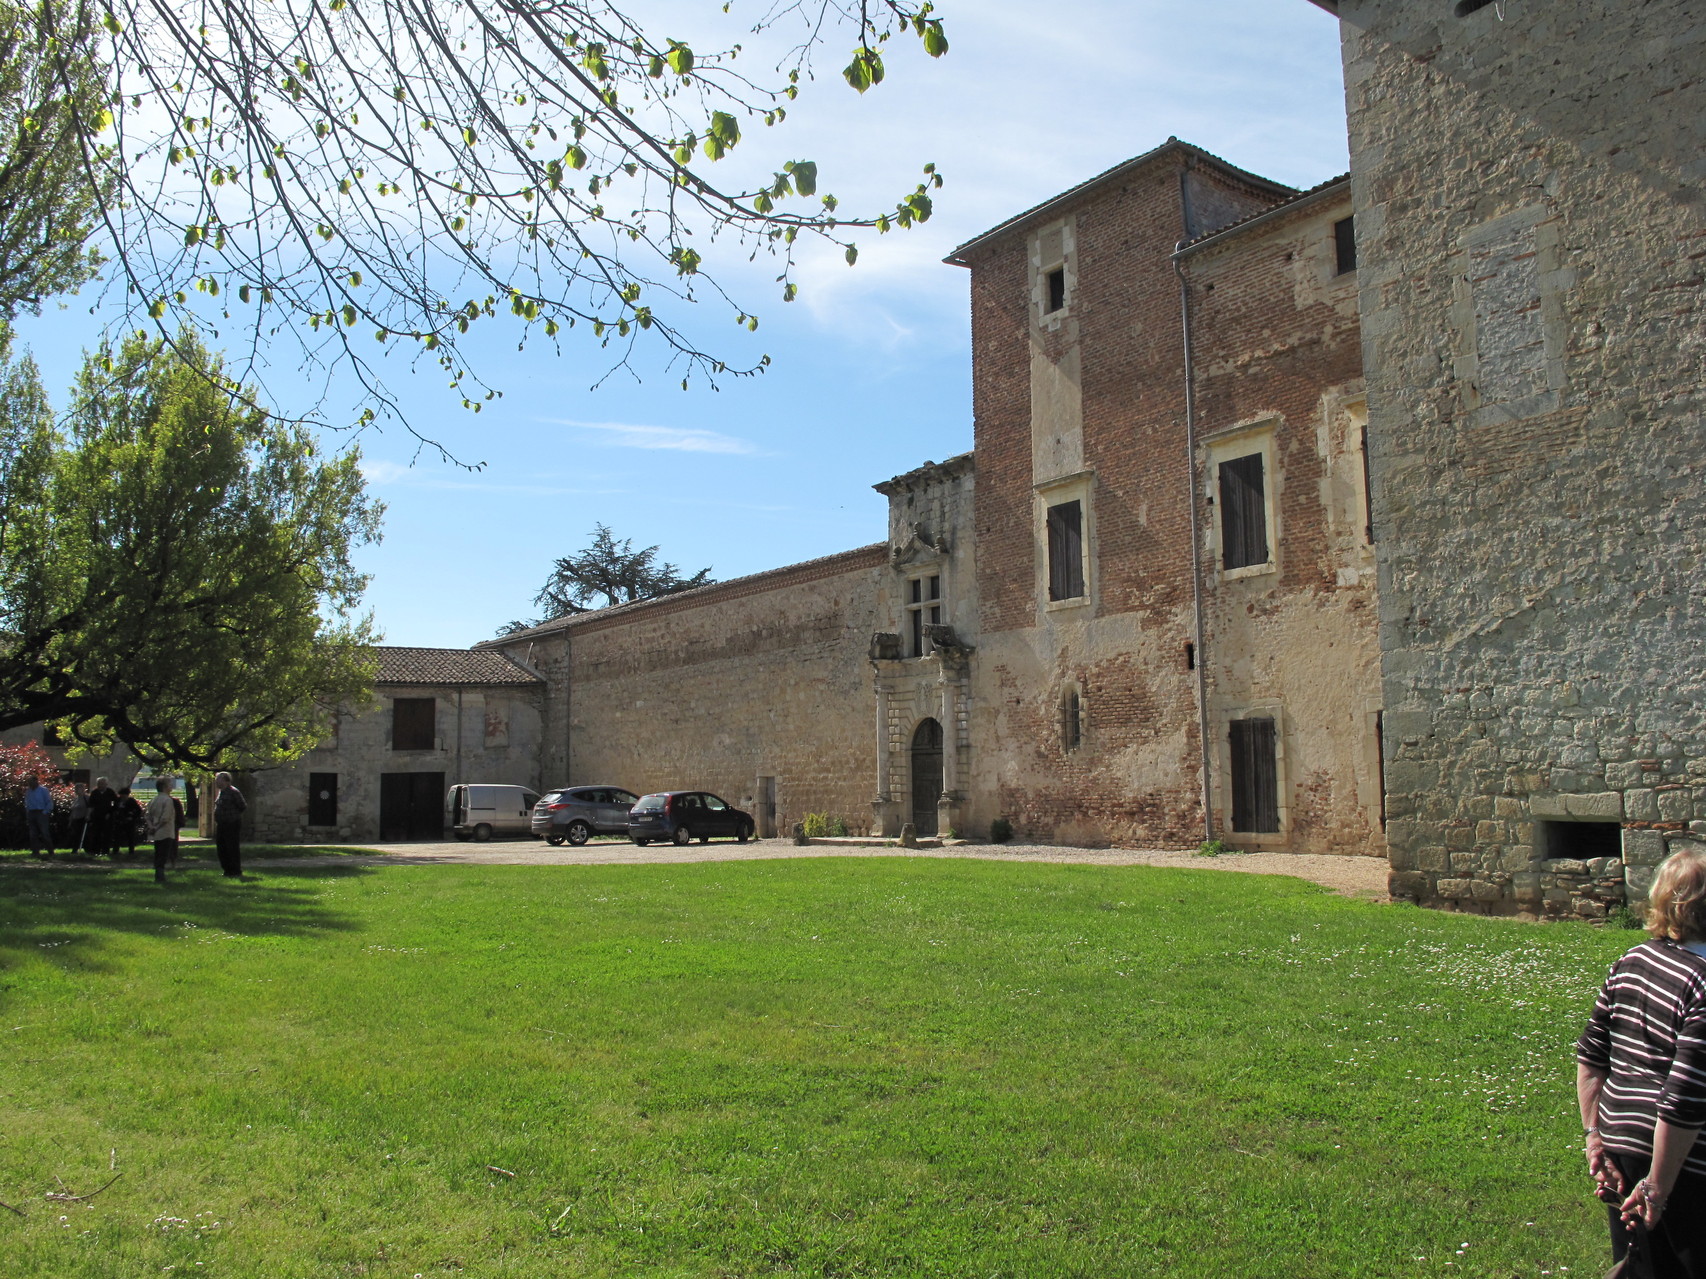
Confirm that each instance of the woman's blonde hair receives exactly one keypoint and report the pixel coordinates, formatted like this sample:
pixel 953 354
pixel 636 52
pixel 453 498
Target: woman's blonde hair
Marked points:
pixel 1676 907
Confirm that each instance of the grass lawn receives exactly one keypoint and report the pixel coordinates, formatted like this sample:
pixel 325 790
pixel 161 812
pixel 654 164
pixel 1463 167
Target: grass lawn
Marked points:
pixel 198 851
pixel 839 1067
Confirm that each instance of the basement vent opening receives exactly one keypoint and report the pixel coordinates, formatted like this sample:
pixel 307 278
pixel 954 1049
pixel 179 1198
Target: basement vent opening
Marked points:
pixel 1583 840
pixel 1190 656
pixel 1467 7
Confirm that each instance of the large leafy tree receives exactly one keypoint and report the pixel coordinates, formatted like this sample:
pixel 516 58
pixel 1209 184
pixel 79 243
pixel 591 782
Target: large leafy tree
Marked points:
pixel 55 172
pixel 175 568
pixel 405 171
pixel 607 573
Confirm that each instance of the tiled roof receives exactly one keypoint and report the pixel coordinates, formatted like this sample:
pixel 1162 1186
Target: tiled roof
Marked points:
pixel 734 588
pixel 1278 189
pixel 449 666
pixel 1330 186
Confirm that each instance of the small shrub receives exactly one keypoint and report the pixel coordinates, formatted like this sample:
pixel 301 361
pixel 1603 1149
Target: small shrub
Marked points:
pixel 815 825
pixel 1000 831
pixel 1624 916
pixel 837 828
pixel 952 834
pixel 1212 848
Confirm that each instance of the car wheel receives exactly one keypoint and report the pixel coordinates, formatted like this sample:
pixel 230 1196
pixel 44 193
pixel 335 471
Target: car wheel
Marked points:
pixel 743 834
pixel 554 840
pixel 482 833
pixel 704 839
pixel 683 835
pixel 579 833
pixel 641 842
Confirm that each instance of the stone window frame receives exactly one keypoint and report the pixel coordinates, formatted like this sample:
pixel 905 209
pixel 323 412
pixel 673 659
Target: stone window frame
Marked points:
pixel 1229 444
pixel 1069 488
pixel 1553 280
pixel 922 573
pixel 1044 259
pixel 1221 782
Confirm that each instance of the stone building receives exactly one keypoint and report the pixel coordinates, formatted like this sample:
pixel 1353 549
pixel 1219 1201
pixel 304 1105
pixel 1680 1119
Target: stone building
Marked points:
pixel 441 716
pixel 1528 190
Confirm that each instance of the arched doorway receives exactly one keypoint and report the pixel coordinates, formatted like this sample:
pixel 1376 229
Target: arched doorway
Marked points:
pixel 926 775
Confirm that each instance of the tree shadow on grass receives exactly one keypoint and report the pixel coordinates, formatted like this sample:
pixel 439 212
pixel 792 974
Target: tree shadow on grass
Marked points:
pixel 68 917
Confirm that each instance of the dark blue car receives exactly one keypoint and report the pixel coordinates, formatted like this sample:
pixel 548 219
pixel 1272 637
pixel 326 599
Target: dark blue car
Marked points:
pixel 685 815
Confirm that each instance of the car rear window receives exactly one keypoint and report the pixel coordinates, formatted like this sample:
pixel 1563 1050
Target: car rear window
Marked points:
pixel 555 797
pixel 649 804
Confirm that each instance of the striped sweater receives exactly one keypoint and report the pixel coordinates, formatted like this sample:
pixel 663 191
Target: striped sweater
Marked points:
pixel 1648 1032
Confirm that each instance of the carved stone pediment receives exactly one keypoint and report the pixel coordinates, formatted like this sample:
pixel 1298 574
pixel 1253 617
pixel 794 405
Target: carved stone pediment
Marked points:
pixel 920 547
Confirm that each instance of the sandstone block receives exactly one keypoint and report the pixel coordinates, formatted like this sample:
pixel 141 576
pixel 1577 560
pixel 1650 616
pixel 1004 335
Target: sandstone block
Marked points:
pixel 1409 885
pixel 1641 805
pixel 1459 837
pixel 1643 847
pixel 1638 881
pixel 1485 892
pixel 1676 805
pixel 1544 806
pixel 1489 832
pixel 1455 889
pixel 1565 866
pixel 1601 806
pixel 1433 857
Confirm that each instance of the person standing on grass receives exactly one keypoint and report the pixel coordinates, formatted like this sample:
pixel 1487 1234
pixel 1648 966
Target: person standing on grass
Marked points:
pixel 102 801
pixel 228 809
pixel 79 816
pixel 161 821
pixel 1641 1081
pixel 38 816
pixel 127 814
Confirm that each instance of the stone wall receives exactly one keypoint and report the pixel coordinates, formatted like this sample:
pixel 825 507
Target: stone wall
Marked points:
pixel 361 753
pixel 761 677
pixel 1528 194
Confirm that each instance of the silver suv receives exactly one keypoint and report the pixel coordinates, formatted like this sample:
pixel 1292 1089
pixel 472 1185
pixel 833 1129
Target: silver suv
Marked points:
pixel 577 813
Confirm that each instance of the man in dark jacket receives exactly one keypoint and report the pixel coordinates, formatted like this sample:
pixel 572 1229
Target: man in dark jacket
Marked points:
pixel 228 809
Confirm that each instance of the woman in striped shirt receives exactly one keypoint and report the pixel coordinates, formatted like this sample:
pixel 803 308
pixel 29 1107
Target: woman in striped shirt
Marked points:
pixel 1641 1079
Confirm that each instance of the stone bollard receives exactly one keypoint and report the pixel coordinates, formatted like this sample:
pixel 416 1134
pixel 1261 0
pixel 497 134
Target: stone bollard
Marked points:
pixel 909 836
pixel 800 833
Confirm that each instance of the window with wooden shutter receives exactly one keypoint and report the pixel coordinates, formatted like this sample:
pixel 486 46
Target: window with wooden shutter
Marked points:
pixel 1243 512
pixel 414 723
pixel 1066 551
pixel 1255 777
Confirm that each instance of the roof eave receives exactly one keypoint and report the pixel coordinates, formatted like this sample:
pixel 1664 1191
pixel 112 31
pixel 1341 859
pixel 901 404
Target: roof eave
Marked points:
pixel 1073 194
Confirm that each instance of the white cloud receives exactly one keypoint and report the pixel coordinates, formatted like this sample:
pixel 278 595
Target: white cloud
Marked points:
pixel 680 439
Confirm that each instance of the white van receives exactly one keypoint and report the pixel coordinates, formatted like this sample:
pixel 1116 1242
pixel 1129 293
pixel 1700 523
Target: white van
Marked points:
pixel 479 811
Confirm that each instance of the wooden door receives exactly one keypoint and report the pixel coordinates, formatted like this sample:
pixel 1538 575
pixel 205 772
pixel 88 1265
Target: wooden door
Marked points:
pixel 926 775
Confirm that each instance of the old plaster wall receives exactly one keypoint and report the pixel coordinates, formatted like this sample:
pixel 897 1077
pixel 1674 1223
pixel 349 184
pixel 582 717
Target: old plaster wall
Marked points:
pixel 763 676
pixel 1278 372
pixel 1528 184
pixel 1087 404
pixel 468 747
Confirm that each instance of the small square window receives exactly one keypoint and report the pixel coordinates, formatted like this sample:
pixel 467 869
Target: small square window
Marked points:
pixel 1345 244
pixel 1055 281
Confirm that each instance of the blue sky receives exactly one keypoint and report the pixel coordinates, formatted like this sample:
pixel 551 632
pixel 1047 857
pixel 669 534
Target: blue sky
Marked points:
pixel 872 371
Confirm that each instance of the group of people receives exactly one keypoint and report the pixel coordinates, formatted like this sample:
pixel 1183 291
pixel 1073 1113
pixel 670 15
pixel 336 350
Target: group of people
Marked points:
pixel 103 820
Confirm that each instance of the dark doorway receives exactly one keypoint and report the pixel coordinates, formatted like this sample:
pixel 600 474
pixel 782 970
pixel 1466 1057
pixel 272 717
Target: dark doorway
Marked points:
pixel 1255 777
pixel 926 775
pixel 411 806
pixel 322 799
